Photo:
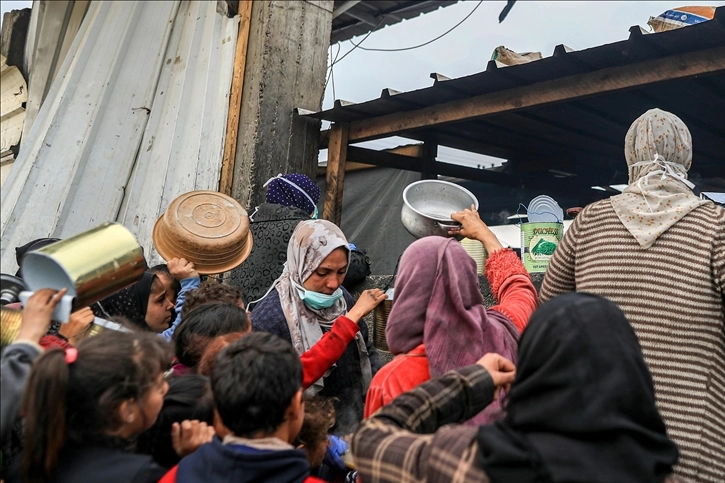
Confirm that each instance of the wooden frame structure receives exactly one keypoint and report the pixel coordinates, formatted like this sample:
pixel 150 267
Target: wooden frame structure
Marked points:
pixel 541 95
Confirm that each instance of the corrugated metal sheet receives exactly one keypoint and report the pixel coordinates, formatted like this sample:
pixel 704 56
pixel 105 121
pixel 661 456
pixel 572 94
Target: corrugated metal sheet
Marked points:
pixel 52 29
pixel 358 18
pixel 135 116
pixel 184 140
pixel 13 94
pixel 583 136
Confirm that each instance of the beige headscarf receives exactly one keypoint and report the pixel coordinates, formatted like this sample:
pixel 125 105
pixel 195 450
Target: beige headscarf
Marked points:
pixel 311 242
pixel 658 149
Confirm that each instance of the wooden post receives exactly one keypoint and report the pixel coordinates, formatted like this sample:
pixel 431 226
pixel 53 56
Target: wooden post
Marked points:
pixel 235 99
pixel 430 152
pixel 336 159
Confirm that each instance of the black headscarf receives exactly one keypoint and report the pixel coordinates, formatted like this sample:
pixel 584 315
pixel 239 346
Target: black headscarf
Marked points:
pixel 30 247
pixel 582 408
pixel 131 302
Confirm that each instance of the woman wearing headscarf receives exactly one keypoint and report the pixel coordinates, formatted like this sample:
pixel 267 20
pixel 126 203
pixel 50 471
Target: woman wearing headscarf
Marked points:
pixel 290 198
pixel 581 409
pixel 145 303
pixel 658 252
pixel 305 302
pixel 438 321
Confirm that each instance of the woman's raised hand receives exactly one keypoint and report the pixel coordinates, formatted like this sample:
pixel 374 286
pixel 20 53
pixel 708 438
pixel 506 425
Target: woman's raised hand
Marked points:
pixel 474 228
pixel 37 313
pixel 365 304
pixel 502 371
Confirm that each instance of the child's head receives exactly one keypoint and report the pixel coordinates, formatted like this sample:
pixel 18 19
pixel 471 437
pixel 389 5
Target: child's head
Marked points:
pixel 110 387
pixel 204 323
pixel 216 345
pixel 257 385
pixel 211 291
pixel 319 418
pixel 188 397
pixel 159 308
pixel 172 286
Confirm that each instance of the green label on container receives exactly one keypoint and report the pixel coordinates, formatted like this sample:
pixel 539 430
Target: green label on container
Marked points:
pixel 538 243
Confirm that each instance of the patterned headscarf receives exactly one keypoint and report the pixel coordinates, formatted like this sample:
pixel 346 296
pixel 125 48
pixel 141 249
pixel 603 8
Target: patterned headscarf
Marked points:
pixel 311 242
pixel 658 149
pixel 302 193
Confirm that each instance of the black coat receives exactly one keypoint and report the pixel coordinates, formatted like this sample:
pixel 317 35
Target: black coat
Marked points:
pixel 271 231
pixel 99 464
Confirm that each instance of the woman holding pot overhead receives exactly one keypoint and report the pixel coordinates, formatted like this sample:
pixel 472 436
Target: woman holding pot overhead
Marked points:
pixel 305 301
pixel 438 321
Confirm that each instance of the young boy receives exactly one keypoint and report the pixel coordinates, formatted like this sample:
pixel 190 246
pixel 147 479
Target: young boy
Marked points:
pixel 257 386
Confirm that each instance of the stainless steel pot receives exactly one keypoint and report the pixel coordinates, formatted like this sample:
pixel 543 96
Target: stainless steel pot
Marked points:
pixel 428 205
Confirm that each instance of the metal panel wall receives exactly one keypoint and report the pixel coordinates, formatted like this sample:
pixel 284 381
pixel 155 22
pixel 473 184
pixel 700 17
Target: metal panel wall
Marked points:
pixel 136 116
pixel 184 140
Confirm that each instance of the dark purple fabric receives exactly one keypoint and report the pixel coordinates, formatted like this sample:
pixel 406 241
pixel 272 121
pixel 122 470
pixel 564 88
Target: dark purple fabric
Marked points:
pixel 283 193
pixel 438 302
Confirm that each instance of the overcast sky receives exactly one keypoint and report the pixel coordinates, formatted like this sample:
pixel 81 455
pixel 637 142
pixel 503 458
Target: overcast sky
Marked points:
pixel 530 26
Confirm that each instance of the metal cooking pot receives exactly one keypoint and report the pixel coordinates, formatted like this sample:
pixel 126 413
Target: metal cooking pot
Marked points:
pixel 428 205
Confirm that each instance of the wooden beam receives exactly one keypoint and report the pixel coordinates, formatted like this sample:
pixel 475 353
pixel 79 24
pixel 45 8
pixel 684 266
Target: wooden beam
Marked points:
pixel 336 159
pixel 602 81
pixel 235 99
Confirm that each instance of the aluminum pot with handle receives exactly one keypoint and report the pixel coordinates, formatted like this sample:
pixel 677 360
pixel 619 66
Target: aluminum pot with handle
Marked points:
pixel 428 205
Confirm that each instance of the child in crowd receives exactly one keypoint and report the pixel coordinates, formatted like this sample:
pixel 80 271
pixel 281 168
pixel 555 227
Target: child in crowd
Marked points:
pixel 145 303
pixel 185 275
pixel 201 325
pixel 189 398
pixel 83 406
pixel 257 385
pixel 319 418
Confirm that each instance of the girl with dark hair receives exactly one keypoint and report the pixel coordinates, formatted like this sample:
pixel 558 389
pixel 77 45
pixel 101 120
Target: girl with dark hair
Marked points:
pixel 200 327
pixel 145 303
pixel 83 405
pixel 189 398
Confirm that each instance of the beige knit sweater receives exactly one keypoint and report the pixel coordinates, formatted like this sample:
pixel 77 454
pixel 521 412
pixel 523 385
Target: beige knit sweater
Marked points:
pixel 672 293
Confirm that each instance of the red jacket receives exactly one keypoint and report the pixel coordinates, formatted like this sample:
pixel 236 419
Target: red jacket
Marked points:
pixel 322 355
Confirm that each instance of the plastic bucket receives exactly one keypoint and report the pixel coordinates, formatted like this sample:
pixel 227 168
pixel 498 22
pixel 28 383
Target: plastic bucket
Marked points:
pixel 538 243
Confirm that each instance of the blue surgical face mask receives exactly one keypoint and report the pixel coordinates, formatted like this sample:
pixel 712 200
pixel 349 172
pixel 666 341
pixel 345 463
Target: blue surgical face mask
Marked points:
pixel 317 300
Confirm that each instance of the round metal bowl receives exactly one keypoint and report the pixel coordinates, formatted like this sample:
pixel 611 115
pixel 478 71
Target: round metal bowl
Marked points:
pixel 207 228
pixel 428 205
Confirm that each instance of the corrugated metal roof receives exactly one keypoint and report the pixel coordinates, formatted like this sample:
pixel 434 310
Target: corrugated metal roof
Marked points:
pixel 585 135
pixel 353 18
pixel 135 117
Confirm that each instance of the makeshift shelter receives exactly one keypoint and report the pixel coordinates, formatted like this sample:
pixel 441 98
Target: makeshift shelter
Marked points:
pixel 559 121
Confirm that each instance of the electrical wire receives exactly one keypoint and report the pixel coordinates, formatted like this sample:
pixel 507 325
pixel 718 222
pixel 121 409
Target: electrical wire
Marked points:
pixel 416 46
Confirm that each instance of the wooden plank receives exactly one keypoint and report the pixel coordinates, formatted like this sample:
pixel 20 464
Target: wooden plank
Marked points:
pixel 336 159
pixel 235 99
pixel 602 81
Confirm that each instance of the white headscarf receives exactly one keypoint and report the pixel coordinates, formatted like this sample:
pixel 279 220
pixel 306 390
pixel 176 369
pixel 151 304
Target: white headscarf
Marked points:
pixel 658 149
pixel 310 243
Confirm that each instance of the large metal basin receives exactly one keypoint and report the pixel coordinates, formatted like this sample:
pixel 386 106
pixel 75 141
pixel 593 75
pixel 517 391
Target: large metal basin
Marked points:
pixel 428 205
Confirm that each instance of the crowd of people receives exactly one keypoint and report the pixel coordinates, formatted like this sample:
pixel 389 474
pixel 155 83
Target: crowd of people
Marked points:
pixel 618 376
